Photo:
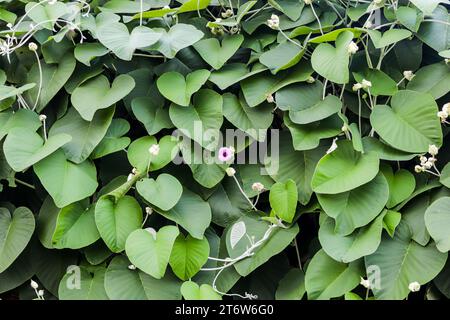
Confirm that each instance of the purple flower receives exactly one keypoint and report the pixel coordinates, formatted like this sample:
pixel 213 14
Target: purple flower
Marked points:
pixel 225 154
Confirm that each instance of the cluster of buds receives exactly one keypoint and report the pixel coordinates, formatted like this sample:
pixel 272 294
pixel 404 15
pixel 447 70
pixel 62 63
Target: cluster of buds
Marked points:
pixel 408 75
pixel 228 13
pixel 258 187
pixel 217 30
pixel 35 286
pixel 444 113
pixel 274 22
pixel 428 163
pixel 414 286
pixel 365 84
pixel 352 48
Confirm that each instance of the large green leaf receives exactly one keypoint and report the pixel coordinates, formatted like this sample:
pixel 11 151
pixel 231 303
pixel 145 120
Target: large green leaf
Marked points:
pixel 65 181
pixel 116 37
pixel 100 94
pixel 85 135
pixel 411 123
pixel 437 221
pixel 381 40
pixel 216 54
pixel 91 286
pixel 188 256
pixel 357 207
pixel 282 57
pixel 433 79
pixel 113 141
pixel 192 291
pixel 15 233
pixel 164 192
pixel 400 261
pixel 191 212
pixel 401 185
pixel 283 199
pixel 292 286
pixel 116 220
pixel 152 114
pixel 150 251
pixel 344 169
pixel 326 278
pixel 319 111
pixel 22 118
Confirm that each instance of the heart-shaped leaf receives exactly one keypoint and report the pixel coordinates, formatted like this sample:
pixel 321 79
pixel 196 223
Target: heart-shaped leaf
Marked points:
pixel 323 109
pixel 357 207
pixel 437 220
pixel 192 291
pixel 140 157
pixel 23 148
pixel 85 135
pixel 283 56
pixel 116 220
pixel 153 115
pixel 15 233
pixel 216 54
pixel 178 37
pixel 75 227
pixel 411 123
pixel 283 199
pixel 433 79
pixel 344 169
pixel 401 185
pixel 100 95
pixel 332 62
pixel 387 38
pixel 151 252
pixel 116 37
pixel 164 192
pixel 382 84
pixel 65 181
pixel 178 89
pixel 86 52
pixel 205 115
pixel 22 118
pixel 113 140
pixel 188 256
pixel 46 14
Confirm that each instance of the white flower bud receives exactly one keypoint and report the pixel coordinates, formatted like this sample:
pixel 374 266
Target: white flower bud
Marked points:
pixel 357 86
pixel 308 2
pixel 409 75
pixel 368 25
pixel 365 283
pixel 344 128
pixel 433 150
pixel 134 171
pixel 333 146
pixel 132 267
pixel 428 165
pixel 310 80
pixel 154 150
pixel 443 115
pixel 414 286
pixel 366 84
pixel 352 48
pixel 423 159
pixel 166 7
pixel 42 117
pixel 447 61
pixel 9 25
pixel 257 186
pixel 274 21
pixel 446 108
pixel 270 98
pixel 130 176
pixel 34 284
pixel 32 46
pixel 41 293
pixel 419 169
pixel 148 210
pixel 230 171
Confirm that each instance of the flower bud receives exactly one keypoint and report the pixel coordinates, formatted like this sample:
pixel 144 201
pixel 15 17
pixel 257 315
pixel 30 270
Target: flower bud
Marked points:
pixel 230 172
pixel 257 186
pixel 414 286
pixel 409 75
pixel 32 46
pixel 42 117
pixel 34 284
pixel 433 150
pixel 352 48
pixel 357 86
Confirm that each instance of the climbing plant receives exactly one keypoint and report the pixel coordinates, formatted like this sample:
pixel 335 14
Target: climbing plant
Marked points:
pixel 231 149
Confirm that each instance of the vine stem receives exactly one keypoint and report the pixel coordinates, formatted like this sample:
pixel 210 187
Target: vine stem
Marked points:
pixel 244 194
pixel 40 82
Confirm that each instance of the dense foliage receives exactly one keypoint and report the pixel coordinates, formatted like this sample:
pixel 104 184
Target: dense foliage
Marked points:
pixel 119 180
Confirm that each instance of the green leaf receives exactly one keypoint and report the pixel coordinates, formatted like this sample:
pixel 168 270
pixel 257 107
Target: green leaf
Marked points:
pixel 22 118
pixel 174 87
pixel 411 123
pixel 382 84
pixel 436 33
pixel 216 54
pixel 100 94
pixel 253 121
pixel 401 261
pixel 11 92
pixel 116 37
pixel 140 158
pixel 360 243
pixel 205 114
pixel 445 176
pixel 178 37
pixel 112 141
pixel 116 220
pixel 75 227
pixel 121 283
pixel 391 221
pixel 191 212
pixel 192 291
pixel 150 251
pixel 409 17
pixel 188 256
pixel 433 79
pixel 279 239
pixel 384 151
pixel 54 77
pixel 299 96
pixel 152 114
pixel 46 14
pixel 124 6
pixel 256 89
pixel 389 37
pixel 292 286
pixel 85 135
pixel 326 278
pixel 23 148
pixel 91 286
pixel 428 6
pixel 344 169
pixel 319 111
pixel 86 52
pixel 283 199
pixel 164 192
pixel 65 181
pixel 308 136
pixel 232 73
pixel 357 207
pixel 437 221
pixel 15 233
pixel 332 62
pixel 401 185
pixel 283 56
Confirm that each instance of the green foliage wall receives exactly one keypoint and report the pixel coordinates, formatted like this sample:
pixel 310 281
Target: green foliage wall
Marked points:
pixel 107 191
